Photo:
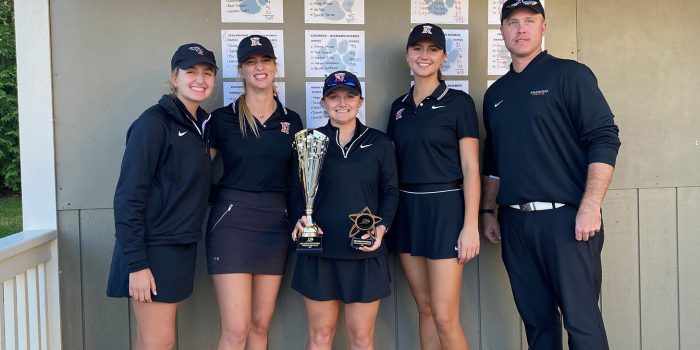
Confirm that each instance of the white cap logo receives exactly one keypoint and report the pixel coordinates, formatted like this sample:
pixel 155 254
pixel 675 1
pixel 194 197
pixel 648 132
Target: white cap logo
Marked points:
pixel 427 29
pixel 255 41
pixel 197 49
pixel 339 77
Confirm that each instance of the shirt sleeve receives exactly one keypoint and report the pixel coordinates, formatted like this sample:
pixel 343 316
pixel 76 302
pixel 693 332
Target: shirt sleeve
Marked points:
pixel 213 130
pixel 295 201
pixel 593 118
pixel 145 143
pixel 489 167
pixel 389 197
pixel 467 121
pixel 391 124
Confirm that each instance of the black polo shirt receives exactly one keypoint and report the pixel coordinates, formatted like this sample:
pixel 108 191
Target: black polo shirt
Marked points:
pixel 363 174
pixel 250 163
pixel 427 136
pixel 544 126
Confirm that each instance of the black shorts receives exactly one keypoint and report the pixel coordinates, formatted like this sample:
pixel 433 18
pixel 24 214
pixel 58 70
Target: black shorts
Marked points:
pixel 248 232
pixel 172 267
pixel 428 224
pixel 347 280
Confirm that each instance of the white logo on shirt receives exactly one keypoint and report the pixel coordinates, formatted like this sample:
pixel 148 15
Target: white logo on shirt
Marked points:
pixel 496 104
pixel 398 114
pixel 181 133
pixel 365 146
pixel 437 107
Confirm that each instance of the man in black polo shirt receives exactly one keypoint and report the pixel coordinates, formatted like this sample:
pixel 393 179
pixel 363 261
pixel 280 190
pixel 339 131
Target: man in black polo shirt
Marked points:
pixel 550 149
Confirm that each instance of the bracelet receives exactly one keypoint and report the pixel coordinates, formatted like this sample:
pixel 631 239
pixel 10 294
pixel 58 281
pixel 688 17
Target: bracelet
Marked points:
pixel 486 211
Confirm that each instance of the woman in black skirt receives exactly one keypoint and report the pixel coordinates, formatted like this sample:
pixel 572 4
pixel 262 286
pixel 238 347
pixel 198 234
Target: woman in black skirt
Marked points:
pixel 436 134
pixel 358 173
pixel 248 232
pixel 161 200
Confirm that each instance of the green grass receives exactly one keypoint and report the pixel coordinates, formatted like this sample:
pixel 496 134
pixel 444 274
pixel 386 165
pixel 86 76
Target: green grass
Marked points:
pixel 10 215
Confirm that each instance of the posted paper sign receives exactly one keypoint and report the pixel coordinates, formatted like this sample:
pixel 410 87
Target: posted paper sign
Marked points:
pixel 457 49
pixel 234 89
pixel 315 115
pixel 251 11
pixel 334 11
pixel 440 11
pixel 330 50
pixel 458 85
pixel 229 49
pixel 498 60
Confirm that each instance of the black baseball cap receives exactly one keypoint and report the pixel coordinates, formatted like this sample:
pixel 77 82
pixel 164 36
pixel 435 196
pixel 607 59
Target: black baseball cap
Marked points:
pixel 342 79
pixel 511 5
pixel 188 55
pixel 427 31
pixel 255 44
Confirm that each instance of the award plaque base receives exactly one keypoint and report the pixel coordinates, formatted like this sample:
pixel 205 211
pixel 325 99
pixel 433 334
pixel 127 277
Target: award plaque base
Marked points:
pixel 357 242
pixel 309 245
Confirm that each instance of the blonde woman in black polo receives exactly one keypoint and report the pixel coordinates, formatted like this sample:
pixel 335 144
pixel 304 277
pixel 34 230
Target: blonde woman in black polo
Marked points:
pixel 436 136
pixel 248 233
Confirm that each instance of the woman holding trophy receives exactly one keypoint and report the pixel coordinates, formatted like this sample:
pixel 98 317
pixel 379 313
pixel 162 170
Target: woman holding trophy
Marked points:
pixel 354 205
pixel 436 134
pixel 247 235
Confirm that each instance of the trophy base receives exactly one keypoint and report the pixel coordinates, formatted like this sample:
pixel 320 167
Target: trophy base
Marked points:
pixel 309 245
pixel 357 242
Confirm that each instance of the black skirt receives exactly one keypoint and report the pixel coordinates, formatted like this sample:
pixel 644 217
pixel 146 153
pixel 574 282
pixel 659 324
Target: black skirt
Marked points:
pixel 347 280
pixel 172 267
pixel 428 224
pixel 248 232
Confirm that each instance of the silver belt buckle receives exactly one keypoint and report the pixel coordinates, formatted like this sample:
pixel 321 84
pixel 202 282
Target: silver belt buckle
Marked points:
pixel 527 206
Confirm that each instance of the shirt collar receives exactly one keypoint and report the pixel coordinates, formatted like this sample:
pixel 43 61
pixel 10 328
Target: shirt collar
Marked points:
pixel 437 94
pixel 280 110
pixel 331 130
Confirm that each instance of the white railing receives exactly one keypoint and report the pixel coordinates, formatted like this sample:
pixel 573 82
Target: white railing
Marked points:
pixel 30 315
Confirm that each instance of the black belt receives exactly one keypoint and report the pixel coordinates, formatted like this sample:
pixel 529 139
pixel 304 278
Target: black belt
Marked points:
pixel 446 186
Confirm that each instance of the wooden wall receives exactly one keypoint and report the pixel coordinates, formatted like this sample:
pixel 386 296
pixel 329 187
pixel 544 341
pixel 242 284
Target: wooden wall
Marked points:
pixel 649 298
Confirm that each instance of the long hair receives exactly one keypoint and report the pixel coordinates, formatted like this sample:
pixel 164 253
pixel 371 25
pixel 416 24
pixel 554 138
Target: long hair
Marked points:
pixel 245 118
pixel 172 90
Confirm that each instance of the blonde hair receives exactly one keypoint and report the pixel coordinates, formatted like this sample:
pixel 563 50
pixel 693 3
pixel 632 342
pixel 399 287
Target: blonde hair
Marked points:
pixel 172 90
pixel 245 118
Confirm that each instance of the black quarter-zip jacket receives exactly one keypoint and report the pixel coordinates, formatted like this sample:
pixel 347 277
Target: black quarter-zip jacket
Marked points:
pixel 544 126
pixel 161 195
pixel 361 174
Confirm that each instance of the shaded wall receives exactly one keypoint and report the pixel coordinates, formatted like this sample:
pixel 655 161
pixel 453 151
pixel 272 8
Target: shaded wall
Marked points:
pixel 110 61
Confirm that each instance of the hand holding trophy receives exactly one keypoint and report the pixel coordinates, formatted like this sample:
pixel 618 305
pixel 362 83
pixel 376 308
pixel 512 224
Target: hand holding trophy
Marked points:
pixel 311 146
pixel 363 224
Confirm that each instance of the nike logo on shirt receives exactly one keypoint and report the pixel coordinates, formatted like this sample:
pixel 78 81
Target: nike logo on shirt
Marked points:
pixel 436 107
pixel 496 104
pixel 181 133
pixel 365 146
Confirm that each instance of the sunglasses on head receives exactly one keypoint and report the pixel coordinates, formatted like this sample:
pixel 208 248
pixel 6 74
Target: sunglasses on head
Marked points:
pixel 336 83
pixel 523 2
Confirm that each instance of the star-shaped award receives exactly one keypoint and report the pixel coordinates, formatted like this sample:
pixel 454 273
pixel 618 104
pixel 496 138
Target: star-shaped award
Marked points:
pixel 363 222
